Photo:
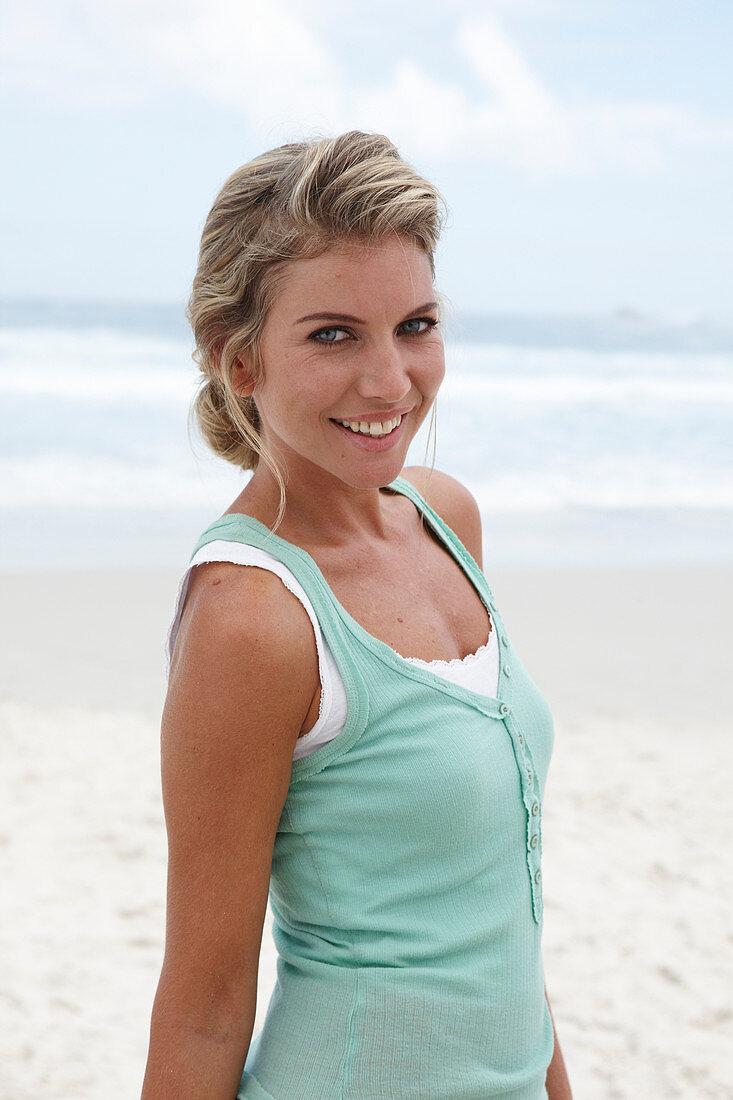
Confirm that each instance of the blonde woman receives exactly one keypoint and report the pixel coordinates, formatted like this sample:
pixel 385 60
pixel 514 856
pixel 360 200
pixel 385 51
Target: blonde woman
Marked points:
pixel 348 727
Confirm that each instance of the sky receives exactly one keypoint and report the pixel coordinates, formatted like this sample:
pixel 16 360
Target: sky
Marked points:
pixel 585 149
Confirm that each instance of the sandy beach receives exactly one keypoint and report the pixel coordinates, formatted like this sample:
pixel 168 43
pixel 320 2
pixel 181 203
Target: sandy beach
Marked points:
pixel 638 942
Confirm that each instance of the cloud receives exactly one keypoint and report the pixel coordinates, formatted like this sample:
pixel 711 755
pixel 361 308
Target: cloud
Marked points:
pixel 515 121
pixel 267 60
pixel 497 61
pixel 259 57
pixel 518 121
pixel 72 55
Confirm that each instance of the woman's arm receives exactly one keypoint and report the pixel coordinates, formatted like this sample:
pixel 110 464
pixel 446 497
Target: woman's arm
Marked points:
pixel 556 1081
pixel 243 677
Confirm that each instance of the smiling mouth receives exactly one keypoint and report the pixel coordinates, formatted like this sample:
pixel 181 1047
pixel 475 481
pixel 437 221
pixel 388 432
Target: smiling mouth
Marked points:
pixel 376 429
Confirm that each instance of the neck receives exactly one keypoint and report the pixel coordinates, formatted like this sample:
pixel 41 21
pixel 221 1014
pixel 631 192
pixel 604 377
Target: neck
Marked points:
pixel 320 510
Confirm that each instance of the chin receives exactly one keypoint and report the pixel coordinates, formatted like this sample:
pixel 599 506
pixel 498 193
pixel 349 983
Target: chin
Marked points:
pixel 375 479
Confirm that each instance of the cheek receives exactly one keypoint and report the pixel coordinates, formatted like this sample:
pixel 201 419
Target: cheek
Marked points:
pixel 289 401
pixel 435 371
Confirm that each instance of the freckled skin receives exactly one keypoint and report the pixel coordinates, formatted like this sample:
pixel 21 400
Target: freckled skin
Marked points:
pixel 374 370
pixel 245 677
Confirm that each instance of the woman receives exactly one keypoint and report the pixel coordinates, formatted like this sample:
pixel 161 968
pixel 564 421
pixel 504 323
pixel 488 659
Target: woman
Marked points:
pixel 347 725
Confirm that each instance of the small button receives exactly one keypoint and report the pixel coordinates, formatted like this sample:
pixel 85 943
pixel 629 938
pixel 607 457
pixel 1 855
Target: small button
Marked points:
pixel 529 774
pixel 538 876
pixel 521 741
pixel 505 708
pixel 504 640
pixel 507 670
pixel 535 809
pixel 534 841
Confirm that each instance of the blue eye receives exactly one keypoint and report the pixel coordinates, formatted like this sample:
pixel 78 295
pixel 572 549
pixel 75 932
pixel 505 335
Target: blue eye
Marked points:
pixel 415 330
pixel 416 326
pixel 330 339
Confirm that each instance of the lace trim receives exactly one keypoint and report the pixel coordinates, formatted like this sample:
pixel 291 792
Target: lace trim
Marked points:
pixel 469 659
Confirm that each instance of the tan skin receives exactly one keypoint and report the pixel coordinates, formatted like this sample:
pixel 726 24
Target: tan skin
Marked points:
pixel 244 681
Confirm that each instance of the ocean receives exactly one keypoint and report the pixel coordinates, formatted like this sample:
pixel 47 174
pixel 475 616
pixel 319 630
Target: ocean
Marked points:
pixel 587 442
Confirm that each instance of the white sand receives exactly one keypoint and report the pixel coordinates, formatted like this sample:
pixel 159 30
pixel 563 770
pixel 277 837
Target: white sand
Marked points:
pixel 638 876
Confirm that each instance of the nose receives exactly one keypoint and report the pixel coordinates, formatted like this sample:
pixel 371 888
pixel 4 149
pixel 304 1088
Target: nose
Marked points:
pixel 384 375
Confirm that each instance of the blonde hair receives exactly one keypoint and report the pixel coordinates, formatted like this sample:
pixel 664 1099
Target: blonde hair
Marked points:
pixel 292 202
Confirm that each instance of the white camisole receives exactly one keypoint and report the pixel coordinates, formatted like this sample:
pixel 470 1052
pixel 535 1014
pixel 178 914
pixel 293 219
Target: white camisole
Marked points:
pixel 478 671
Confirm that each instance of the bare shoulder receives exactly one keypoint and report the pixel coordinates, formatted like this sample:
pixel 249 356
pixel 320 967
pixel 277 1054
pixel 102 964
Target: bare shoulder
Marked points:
pixel 244 675
pixel 452 501
pixel 243 637
pixel 235 604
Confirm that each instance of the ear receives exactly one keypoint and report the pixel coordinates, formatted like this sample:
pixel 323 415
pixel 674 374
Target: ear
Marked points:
pixel 242 380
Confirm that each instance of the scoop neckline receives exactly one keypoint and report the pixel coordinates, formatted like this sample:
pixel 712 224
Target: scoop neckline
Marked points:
pixel 454 662
pixel 377 645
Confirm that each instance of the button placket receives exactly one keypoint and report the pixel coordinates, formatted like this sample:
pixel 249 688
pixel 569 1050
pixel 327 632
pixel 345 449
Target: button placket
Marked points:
pixel 498 626
pixel 527 770
pixel 530 798
pixel 534 853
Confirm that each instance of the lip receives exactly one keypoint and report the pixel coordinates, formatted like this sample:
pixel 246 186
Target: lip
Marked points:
pixel 374 443
pixel 378 417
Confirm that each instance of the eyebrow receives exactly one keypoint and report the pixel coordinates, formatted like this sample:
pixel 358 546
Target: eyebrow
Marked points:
pixel 355 320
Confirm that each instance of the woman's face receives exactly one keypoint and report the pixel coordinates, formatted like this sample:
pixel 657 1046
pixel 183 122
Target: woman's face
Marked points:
pixel 352 361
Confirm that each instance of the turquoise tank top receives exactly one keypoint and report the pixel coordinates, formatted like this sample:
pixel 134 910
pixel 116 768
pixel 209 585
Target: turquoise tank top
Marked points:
pixel 406 887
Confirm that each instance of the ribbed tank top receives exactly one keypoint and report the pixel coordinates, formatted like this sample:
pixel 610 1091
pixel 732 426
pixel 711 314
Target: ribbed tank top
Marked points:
pixel 478 671
pixel 406 884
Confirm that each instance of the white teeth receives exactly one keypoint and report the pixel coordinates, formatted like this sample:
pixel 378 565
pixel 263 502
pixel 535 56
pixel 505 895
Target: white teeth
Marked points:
pixel 375 429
